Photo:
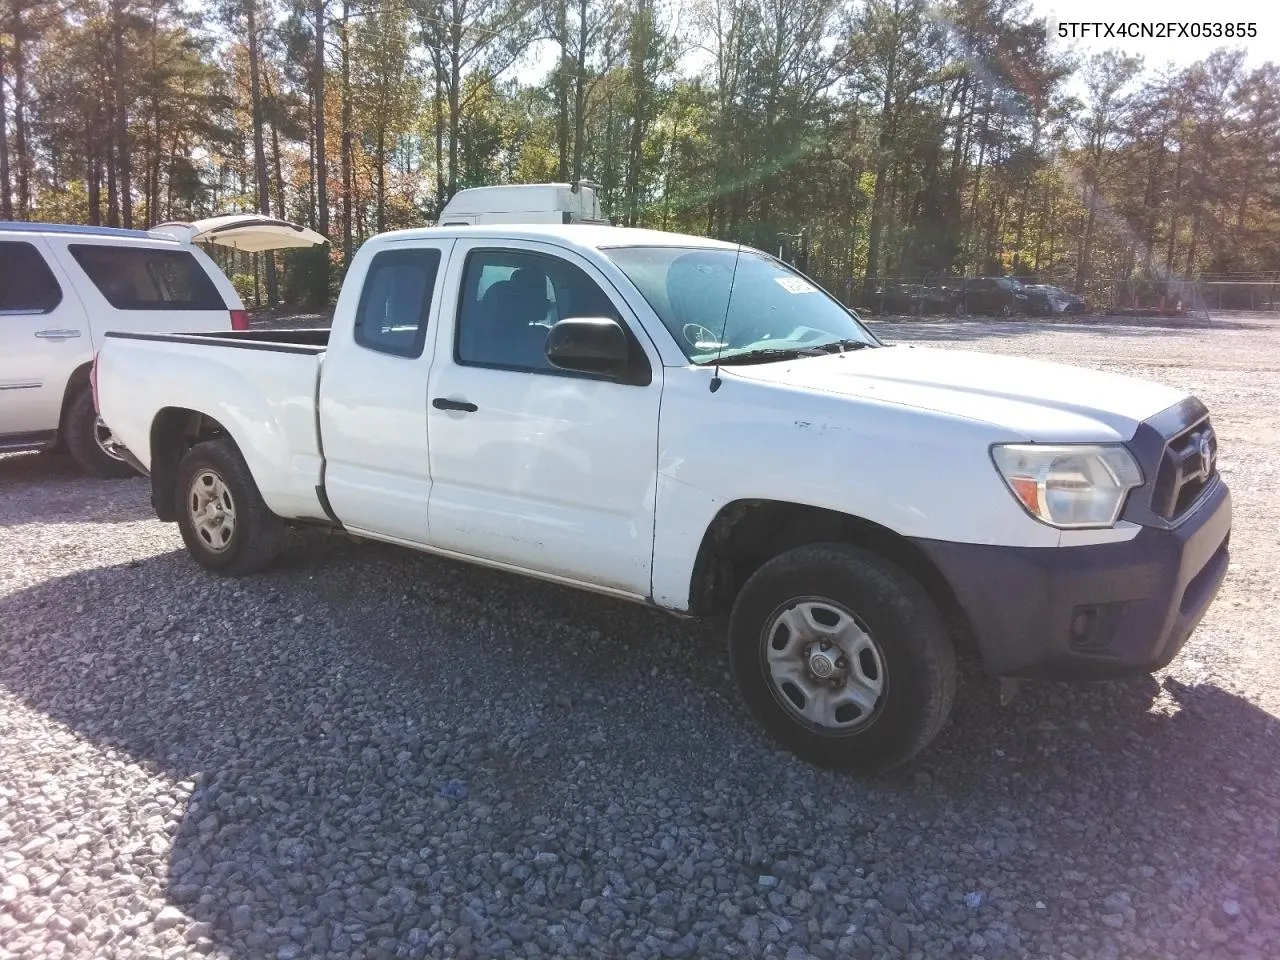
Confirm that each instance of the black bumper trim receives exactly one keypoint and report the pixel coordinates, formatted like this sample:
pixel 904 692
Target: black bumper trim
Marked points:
pixel 1091 612
pixel 134 462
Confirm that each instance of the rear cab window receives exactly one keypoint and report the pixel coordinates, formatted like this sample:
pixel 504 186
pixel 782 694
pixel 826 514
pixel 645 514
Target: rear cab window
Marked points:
pixel 27 285
pixel 395 302
pixel 147 278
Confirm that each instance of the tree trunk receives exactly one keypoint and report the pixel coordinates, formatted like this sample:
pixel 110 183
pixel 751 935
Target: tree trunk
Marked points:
pixel 381 178
pixel 884 146
pixel 113 195
pixel 282 209
pixel 311 158
pixel 124 159
pixel 439 124
pixel 640 106
pixel 6 183
pixel 1171 249
pixel 1190 270
pixel 322 190
pixel 20 118
pixel 562 90
pixel 580 93
pixel 346 138
pixel 971 230
pixel 261 178
pixel 455 103
pixel 95 184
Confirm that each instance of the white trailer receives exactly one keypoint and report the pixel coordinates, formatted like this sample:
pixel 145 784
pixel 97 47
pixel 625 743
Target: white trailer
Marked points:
pixel 524 203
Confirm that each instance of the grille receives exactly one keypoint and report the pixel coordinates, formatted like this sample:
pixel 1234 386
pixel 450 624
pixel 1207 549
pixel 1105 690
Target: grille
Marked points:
pixel 1189 463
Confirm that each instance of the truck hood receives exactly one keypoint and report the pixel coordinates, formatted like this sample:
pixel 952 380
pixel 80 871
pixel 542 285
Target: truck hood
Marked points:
pixel 1039 400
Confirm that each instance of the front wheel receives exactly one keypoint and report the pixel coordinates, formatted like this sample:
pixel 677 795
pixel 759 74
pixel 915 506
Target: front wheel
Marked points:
pixel 842 657
pixel 225 524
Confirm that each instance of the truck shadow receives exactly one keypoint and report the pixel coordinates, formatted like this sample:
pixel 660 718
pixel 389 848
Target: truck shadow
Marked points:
pixel 44 488
pixel 323 715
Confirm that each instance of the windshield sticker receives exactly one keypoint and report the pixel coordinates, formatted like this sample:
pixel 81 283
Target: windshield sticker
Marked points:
pixel 794 285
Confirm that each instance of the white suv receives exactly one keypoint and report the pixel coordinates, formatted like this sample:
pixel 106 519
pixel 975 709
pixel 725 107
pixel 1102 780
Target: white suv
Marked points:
pixel 63 287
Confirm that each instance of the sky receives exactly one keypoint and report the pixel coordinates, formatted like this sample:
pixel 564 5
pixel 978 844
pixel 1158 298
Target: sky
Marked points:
pixel 1156 52
pixel 1179 50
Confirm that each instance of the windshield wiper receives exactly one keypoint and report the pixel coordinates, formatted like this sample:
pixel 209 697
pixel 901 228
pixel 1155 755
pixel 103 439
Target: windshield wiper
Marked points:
pixel 769 354
pixel 840 346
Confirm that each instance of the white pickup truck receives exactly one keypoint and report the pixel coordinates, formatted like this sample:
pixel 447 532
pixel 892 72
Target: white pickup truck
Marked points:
pixel 693 425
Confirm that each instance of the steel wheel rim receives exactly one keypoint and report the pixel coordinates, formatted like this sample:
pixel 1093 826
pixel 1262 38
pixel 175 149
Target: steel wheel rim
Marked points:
pixel 106 440
pixel 823 666
pixel 212 511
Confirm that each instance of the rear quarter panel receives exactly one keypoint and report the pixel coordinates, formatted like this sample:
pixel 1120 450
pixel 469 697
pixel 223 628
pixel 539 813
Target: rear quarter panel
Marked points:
pixel 263 396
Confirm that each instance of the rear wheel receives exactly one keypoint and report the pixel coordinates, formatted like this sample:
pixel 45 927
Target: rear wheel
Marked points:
pixel 90 442
pixel 842 657
pixel 225 524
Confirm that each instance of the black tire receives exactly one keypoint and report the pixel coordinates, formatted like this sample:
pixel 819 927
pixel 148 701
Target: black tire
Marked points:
pixel 80 429
pixel 256 534
pixel 917 656
pixel 1006 310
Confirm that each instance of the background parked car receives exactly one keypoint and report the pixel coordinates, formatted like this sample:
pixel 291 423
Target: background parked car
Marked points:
pixel 995 296
pixel 911 299
pixel 1047 299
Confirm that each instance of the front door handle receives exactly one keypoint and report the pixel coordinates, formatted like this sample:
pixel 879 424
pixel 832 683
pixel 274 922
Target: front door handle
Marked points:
pixel 57 334
pixel 442 403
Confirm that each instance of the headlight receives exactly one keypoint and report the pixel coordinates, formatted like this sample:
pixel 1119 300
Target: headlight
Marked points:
pixel 1069 485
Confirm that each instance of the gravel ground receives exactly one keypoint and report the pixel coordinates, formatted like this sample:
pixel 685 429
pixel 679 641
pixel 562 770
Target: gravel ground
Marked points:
pixel 368 753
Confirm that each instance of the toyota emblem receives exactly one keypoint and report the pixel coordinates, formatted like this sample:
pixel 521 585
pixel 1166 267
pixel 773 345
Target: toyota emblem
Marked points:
pixel 1206 456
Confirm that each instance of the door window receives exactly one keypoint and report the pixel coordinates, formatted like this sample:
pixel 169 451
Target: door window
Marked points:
pixel 511 299
pixel 27 285
pixel 395 304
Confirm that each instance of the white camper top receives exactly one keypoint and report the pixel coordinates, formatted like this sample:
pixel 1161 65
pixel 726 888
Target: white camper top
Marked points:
pixel 523 203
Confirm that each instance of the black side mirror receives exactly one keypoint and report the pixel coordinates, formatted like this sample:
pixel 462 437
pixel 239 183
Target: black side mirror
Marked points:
pixel 589 345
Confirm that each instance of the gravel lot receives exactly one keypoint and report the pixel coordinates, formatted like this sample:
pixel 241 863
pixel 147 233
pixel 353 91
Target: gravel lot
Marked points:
pixel 368 753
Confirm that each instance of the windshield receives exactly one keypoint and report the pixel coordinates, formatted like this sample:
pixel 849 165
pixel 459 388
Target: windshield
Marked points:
pixel 719 304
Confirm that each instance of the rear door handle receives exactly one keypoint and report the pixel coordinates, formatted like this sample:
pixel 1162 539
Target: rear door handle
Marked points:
pixel 442 403
pixel 57 334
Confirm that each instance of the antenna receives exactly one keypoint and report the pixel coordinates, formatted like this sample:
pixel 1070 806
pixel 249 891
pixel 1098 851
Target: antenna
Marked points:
pixel 724 325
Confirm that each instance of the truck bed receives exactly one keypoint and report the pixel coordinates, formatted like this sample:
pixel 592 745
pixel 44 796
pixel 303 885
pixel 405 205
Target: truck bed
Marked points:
pixel 310 340
pixel 259 385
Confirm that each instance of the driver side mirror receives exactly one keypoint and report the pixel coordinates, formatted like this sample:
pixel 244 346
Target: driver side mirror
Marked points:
pixel 589 345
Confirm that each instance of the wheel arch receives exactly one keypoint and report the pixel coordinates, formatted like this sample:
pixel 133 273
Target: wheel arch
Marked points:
pixel 77 381
pixel 745 534
pixel 174 431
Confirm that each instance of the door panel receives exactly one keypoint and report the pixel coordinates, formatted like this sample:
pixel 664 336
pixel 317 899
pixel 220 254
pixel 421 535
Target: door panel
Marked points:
pixel 551 471
pixel 43 339
pixel 373 401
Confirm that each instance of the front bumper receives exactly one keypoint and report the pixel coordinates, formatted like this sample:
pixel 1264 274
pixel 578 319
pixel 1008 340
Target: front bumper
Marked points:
pixel 1091 612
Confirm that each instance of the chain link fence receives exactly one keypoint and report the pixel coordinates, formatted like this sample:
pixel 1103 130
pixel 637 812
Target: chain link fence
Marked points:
pixel 938 295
